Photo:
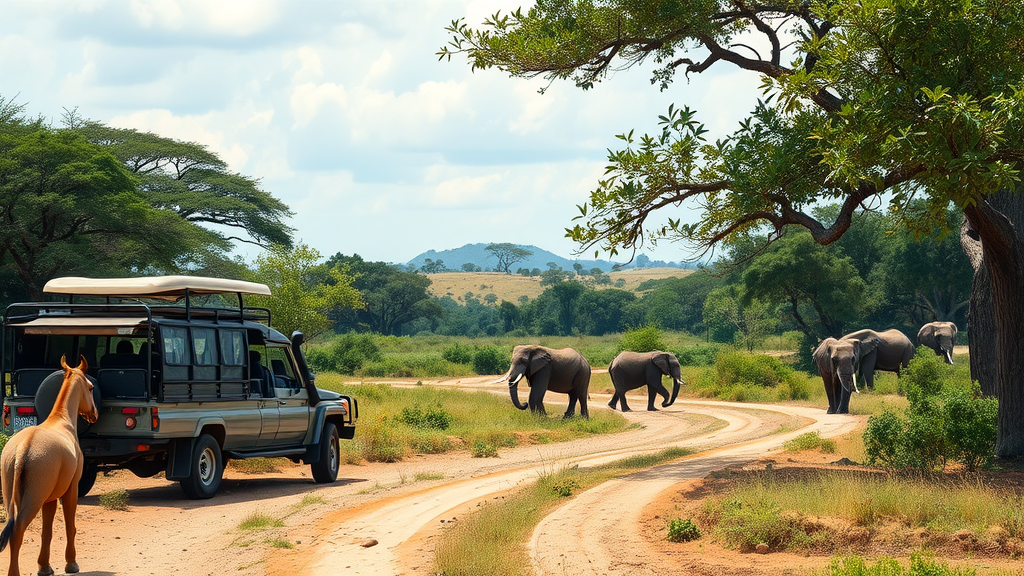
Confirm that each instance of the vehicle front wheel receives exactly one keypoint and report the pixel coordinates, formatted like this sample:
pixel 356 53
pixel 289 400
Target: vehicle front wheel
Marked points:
pixel 205 470
pixel 325 470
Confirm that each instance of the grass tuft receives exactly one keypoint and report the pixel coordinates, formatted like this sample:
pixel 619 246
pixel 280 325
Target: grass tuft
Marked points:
pixel 258 521
pixel 115 499
pixel 811 441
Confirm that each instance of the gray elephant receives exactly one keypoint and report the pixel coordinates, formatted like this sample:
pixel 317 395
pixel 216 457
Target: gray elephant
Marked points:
pixel 940 337
pixel 837 362
pixel 631 370
pixel 889 351
pixel 564 370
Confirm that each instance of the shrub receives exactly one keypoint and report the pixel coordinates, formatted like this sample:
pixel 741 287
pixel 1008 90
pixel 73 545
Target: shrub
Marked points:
pixel 756 369
pixel 680 530
pixel 381 443
pixel 947 420
pixel 434 417
pixel 699 355
pixel 3 441
pixel 920 565
pixel 565 487
pixel 490 360
pixel 484 449
pixel 745 525
pixel 345 354
pixel 646 339
pixel 458 353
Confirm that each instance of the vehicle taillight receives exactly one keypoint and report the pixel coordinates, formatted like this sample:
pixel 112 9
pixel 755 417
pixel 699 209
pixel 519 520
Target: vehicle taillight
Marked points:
pixel 130 411
pixel 7 415
pixel 156 419
pixel 130 420
pixel 26 411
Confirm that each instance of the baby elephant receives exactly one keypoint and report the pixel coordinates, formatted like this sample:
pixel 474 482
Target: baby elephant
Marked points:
pixel 632 370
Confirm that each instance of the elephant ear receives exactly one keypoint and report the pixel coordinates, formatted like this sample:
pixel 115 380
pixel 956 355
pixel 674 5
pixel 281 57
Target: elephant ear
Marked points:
pixel 823 354
pixel 661 361
pixel 953 328
pixel 868 345
pixel 539 359
pixel 926 331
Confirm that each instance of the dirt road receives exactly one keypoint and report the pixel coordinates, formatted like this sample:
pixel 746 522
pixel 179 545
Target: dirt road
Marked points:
pixel 402 506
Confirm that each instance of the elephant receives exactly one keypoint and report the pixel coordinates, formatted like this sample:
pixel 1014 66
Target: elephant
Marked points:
pixel 889 351
pixel 837 362
pixel 940 337
pixel 631 370
pixel 564 370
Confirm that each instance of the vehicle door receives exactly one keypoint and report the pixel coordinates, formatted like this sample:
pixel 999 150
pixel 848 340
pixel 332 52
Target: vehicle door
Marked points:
pixel 262 388
pixel 292 398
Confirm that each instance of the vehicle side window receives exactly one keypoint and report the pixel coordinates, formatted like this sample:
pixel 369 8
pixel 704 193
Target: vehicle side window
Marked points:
pixel 204 342
pixel 281 366
pixel 176 346
pixel 232 347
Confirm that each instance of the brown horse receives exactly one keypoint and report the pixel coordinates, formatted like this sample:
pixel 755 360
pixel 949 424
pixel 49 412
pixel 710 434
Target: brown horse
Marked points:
pixel 42 464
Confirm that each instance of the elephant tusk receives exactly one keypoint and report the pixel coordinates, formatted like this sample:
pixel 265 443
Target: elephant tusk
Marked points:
pixel 503 376
pixel 515 381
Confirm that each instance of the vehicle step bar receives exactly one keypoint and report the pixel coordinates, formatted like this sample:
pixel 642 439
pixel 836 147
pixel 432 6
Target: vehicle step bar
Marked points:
pixel 265 453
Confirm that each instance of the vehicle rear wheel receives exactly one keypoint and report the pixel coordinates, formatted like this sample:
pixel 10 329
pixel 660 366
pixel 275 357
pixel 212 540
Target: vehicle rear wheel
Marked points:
pixel 89 472
pixel 325 470
pixel 205 470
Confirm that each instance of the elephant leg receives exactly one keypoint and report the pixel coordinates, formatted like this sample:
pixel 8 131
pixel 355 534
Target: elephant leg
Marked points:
pixel 614 401
pixel 652 394
pixel 844 401
pixel 622 402
pixel 537 397
pixel 830 393
pixel 571 410
pixel 867 370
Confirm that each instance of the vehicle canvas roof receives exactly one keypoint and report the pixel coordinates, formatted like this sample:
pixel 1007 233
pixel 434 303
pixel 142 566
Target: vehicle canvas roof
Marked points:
pixel 161 287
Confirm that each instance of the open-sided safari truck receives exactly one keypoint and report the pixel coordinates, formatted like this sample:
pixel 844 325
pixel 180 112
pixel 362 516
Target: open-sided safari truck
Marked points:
pixel 184 374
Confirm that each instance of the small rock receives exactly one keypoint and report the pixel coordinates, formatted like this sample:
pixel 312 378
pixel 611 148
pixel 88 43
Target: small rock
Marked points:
pixel 761 548
pixel 844 462
pixel 369 543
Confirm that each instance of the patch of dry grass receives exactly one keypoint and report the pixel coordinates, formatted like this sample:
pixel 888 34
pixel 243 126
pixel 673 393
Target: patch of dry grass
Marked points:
pixel 511 286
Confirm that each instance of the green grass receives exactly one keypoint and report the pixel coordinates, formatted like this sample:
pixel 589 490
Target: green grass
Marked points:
pixel 421 476
pixel 259 521
pixel 279 543
pixel 811 441
pixel 386 433
pixel 492 542
pixel 920 565
pixel 310 500
pixel 115 499
pixel 771 509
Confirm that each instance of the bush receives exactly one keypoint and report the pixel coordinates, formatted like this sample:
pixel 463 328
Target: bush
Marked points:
pixel 699 355
pixel 484 449
pixel 947 420
pixel 491 360
pixel 458 354
pixel 920 565
pixel 646 339
pixel 680 530
pixel 433 417
pixel 345 354
pixel 756 369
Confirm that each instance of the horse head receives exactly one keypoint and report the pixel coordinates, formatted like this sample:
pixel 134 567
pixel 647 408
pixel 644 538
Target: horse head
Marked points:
pixel 86 404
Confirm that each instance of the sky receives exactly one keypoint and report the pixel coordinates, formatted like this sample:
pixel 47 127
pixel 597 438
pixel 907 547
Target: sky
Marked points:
pixel 342 110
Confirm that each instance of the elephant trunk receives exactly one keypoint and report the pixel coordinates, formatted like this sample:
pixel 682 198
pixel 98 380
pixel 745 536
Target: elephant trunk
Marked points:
pixel 675 392
pixel 848 381
pixel 513 390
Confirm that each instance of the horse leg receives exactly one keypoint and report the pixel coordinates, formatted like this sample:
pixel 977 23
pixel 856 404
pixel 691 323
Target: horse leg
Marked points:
pixel 49 511
pixel 69 502
pixel 16 539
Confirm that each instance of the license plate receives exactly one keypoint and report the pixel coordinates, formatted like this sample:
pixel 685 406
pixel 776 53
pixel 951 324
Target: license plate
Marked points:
pixel 20 422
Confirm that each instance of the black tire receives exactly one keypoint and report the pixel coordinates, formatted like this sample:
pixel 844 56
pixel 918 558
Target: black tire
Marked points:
pixel 325 470
pixel 89 472
pixel 46 396
pixel 205 469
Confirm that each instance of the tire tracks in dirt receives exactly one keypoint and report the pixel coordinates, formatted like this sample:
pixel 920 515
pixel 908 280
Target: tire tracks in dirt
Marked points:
pixel 402 522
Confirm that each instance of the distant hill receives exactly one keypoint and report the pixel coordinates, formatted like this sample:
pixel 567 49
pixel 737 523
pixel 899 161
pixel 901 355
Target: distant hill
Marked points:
pixel 511 287
pixel 478 255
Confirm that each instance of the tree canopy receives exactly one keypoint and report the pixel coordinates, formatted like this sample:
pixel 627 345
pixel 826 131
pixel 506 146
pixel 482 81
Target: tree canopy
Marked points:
pixel 507 255
pixel 873 102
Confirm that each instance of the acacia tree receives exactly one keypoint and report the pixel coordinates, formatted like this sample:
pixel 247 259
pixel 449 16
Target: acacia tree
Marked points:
pixel 902 98
pixel 507 255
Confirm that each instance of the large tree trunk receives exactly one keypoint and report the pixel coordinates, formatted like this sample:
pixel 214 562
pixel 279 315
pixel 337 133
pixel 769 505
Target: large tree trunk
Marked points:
pixel 997 310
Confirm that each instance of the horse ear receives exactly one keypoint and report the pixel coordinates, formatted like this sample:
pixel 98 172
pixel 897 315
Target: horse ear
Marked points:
pixel 83 364
pixel 64 363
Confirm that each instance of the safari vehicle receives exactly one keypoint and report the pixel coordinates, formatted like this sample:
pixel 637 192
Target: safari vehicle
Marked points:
pixel 185 379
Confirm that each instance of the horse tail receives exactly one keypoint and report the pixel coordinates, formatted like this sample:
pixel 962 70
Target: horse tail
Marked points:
pixel 5 536
pixel 15 497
